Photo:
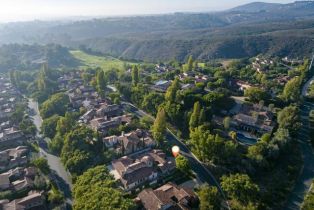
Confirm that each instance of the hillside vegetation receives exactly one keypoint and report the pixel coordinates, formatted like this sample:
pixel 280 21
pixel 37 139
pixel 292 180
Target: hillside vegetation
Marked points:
pixel 245 31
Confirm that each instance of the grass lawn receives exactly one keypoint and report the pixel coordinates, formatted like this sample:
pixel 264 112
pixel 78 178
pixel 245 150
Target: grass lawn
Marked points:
pixel 93 61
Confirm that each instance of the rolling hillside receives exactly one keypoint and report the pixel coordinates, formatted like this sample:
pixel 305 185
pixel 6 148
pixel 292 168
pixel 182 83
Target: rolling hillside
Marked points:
pixel 274 29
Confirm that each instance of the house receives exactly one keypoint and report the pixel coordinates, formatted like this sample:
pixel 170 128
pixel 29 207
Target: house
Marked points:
pixel 109 110
pixel 34 199
pixel 254 119
pixel 134 171
pixel 161 86
pixel 168 196
pixel 104 124
pixel 11 136
pixel 15 173
pixel 187 86
pixel 134 142
pixel 243 85
pixel 22 184
pixel 110 141
pixel 11 158
pixel 4 181
pixel 5 125
pixel 129 143
pixel 88 116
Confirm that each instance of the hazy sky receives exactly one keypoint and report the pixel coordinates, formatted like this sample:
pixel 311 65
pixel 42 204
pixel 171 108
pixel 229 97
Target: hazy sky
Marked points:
pixel 16 10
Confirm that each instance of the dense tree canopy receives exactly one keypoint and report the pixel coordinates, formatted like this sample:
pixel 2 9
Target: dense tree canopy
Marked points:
pixel 56 104
pixel 240 188
pixel 256 94
pixel 182 164
pixel 49 126
pixel 78 152
pixel 209 198
pixel 93 190
pixel 288 118
pixel 291 92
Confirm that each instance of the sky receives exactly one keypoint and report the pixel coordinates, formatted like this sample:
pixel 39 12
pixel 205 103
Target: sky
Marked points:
pixel 21 10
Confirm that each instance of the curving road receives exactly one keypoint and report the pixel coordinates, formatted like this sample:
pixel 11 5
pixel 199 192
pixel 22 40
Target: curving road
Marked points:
pixel 59 173
pixel 202 172
pixel 306 176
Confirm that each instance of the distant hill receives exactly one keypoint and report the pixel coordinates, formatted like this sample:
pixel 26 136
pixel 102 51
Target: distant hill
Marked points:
pixel 275 29
pixel 31 57
pixel 257 7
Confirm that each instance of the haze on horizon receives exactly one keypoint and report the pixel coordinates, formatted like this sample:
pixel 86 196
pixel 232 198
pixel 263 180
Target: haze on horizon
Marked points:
pixel 23 10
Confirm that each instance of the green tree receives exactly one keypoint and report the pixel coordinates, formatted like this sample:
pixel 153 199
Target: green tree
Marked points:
pixel 226 122
pixel 56 104
pixel 183 164
pixel 49 125
pixel 79 151
pixel 240 187
pixel 95 190
pixel 291 92
pixel 42 164
pixel 190 63
pixel 206 146
pixel 151 102
pixel 288 118
pixel 159 126
pixel 195 117
pixel 209 198
pixel 101 83
pixel 171 93
pixel 135 75
pixel 256 94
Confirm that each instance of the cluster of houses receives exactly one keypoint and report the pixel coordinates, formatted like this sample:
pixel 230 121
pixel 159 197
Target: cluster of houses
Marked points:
pixel 138 163
pixel 163 68
pixel 10 135
pixel 261 65
pixel 16 177
pixel 194 77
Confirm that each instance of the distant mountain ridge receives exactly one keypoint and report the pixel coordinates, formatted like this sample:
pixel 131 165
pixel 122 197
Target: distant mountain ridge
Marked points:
pixel 247 30
pixel 256 7
pixel 274 7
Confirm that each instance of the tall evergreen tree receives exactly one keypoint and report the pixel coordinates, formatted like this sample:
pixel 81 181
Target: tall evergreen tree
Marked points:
pixel 202 117
pixel 101 83
pixel 172 91
pixel 195 117
pixel 135 75
pixel 190 63
pixel 159 127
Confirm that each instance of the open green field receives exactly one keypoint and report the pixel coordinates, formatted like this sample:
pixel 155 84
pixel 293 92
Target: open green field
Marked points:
pixel 93 61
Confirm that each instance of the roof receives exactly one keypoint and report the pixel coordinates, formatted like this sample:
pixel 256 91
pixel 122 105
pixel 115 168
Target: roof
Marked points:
pixel 167 195
pixel 4 179
pixel 162 82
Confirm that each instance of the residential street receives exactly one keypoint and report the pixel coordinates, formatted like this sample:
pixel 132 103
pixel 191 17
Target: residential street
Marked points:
pixel 202 172
pixel 60 175
pixel 307 174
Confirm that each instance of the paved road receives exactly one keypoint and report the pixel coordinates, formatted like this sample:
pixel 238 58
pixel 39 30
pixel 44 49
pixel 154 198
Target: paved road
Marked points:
pixel 308 83
pixel 304 181
pixel 202 172
pixel 307 174
pixel 60 175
